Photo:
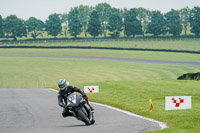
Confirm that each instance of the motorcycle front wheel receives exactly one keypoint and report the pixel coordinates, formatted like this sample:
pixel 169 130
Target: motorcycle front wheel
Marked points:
pixel 83 117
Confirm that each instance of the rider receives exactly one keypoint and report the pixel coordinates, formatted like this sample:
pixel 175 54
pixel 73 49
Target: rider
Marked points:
pixel 64 92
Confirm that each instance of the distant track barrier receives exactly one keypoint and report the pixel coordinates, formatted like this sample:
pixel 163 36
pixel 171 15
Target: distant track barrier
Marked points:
pixel 108 48
pixel 95 40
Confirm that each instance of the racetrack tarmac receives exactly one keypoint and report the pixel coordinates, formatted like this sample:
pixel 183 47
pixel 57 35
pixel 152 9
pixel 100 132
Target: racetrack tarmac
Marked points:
pixel 37 111
pixel 190 63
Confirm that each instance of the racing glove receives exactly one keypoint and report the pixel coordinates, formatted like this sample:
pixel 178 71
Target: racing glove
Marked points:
pixel 85 96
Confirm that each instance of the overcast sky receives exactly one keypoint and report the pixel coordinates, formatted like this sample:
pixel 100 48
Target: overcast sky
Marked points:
pixel 41 9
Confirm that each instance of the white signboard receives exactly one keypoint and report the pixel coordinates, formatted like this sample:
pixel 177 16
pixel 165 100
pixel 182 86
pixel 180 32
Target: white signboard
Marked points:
pixel 177 102
pixel 91 89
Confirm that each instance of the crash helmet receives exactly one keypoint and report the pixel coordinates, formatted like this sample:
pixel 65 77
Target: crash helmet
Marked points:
pixel 62 84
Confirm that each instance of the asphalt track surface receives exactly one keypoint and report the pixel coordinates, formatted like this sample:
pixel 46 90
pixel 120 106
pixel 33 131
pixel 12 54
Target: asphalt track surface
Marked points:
pixel 37 111
pixel 190 63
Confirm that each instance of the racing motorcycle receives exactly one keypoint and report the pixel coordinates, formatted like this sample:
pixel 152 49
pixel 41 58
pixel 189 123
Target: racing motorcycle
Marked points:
pixel 80 108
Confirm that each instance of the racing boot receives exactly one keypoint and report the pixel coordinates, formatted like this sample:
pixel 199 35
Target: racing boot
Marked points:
pixel 71 114
pixel 67 113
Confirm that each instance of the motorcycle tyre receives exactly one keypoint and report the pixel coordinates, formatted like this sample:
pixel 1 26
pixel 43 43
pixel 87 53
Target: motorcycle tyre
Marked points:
pixel 83 117
pixel 92 122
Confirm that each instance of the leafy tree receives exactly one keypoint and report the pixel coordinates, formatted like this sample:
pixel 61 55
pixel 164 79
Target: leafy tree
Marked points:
pixel 184 16
pixel 195 20
pixel 14 27
pixel 104 11
pixel 123 13
pixel 64 20
pixel 115 23
pixel 94 24
pixel 157 25
pixel 35 26
pixel 1 27
pixel 53 25
pixel 173 22
pixel 144 16
pixel 132 24
pixel 75 26
pixel 84 12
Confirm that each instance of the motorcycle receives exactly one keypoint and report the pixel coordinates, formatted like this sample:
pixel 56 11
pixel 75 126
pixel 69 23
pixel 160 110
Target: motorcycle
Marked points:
pixel 80 108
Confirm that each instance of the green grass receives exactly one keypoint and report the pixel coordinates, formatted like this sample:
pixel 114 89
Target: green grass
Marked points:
pixel 190 45
pixel 126 85
pixel 134 96
pixel 107 53
pixel 46 71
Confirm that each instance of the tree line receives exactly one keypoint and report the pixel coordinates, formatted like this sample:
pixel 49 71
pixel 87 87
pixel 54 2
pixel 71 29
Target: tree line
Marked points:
pixel 104 20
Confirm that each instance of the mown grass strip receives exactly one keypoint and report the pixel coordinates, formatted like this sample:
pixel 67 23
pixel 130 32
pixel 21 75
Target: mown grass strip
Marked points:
pixel 105 53
pixel 187 45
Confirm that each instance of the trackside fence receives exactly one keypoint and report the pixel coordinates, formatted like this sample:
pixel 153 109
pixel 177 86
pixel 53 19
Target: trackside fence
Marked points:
pixel 95 40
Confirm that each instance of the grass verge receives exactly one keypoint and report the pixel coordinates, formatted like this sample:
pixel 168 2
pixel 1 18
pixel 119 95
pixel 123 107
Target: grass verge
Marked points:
pixel 190 45
pixel 134 97
pixel 106 53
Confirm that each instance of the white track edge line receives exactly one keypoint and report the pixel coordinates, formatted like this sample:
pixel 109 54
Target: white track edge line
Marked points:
pixel 161 124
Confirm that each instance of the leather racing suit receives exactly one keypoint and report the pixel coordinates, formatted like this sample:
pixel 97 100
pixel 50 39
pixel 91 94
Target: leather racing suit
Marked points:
pixel 62 99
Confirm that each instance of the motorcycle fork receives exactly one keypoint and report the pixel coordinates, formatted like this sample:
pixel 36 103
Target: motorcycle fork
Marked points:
pixel 75 114
pixel 88 110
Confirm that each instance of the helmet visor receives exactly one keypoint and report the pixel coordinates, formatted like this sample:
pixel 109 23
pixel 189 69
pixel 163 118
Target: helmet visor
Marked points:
pixel 62 87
